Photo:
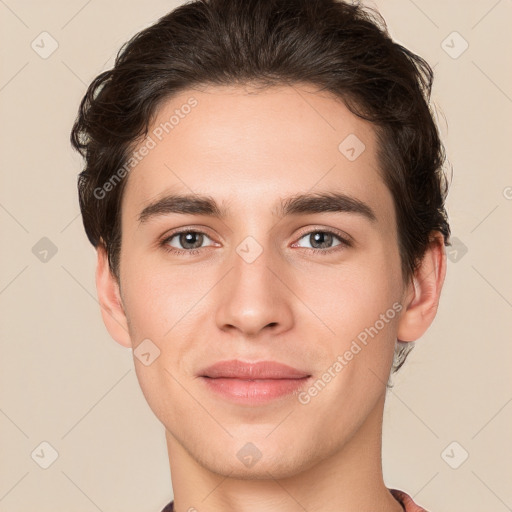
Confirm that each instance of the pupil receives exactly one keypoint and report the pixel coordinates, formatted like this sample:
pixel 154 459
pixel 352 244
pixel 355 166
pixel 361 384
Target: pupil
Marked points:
pixel 322 238
pixel 187 238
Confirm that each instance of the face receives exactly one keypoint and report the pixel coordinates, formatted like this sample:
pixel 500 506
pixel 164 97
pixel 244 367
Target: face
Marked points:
pixel 314 284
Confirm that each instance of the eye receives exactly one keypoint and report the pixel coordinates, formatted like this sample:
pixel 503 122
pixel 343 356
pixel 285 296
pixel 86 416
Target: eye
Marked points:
pixel 189 242
pixel 186 241
pixel 323 241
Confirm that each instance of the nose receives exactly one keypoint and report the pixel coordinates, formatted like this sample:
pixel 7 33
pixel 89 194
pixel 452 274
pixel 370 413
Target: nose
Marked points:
pixel 254 296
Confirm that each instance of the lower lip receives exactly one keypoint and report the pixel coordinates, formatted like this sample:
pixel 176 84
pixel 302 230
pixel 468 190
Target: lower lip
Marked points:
pixel 254 391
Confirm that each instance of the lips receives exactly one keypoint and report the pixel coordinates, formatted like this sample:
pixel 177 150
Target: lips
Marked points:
pixel 236 369
pixel 252 384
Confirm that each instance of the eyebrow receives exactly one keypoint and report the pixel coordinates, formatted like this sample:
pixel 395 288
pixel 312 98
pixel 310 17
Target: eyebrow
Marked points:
pixel 311 203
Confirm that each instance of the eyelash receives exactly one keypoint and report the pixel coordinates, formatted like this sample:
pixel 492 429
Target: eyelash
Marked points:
pixel 191 252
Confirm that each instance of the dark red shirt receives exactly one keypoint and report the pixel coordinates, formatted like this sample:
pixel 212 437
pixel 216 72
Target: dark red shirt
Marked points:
pixel 403 498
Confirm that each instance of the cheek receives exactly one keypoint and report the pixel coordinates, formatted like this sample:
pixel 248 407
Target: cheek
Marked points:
pixel 363 309
pixel 160 307
pixel 363 312
pixel 163 300
pixel 354 298
pixel 151 299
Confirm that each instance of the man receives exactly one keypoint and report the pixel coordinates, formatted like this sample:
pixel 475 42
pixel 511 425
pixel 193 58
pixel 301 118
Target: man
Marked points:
pixel 264 187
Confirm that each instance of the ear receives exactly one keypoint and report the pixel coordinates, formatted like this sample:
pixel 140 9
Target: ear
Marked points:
pixel 112 310
pixel 422 294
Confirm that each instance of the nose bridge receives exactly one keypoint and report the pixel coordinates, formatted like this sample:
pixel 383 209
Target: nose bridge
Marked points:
pixel 251 274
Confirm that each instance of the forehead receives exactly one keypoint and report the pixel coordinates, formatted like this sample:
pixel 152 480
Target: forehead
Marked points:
pixel 241 144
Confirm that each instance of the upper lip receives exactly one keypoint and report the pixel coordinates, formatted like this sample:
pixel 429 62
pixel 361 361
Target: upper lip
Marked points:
pixel 236 369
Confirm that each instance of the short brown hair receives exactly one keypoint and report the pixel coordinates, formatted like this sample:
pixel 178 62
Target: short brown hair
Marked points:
pixel 342 48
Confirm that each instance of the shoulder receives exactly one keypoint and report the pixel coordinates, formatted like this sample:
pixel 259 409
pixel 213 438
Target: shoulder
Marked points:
pixel 169 507
pixel 405 500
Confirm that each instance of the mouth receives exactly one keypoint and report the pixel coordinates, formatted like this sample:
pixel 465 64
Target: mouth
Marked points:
pixel 253 382
pixel 252 370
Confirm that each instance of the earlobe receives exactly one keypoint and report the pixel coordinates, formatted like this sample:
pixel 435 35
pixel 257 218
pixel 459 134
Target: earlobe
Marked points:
pixel 422 296
pixel 112 310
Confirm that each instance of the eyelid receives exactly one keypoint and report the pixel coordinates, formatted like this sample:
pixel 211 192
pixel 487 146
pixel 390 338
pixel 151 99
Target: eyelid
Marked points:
pixel 187 229
pixel 342 235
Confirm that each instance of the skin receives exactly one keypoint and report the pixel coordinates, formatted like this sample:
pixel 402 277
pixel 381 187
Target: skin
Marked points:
pixel 247 150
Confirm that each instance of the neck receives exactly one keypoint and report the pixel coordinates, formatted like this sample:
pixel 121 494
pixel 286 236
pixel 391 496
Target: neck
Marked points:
pixel 348 480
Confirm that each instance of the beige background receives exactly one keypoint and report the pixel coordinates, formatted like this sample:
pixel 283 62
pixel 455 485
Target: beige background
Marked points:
pixel 63 381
